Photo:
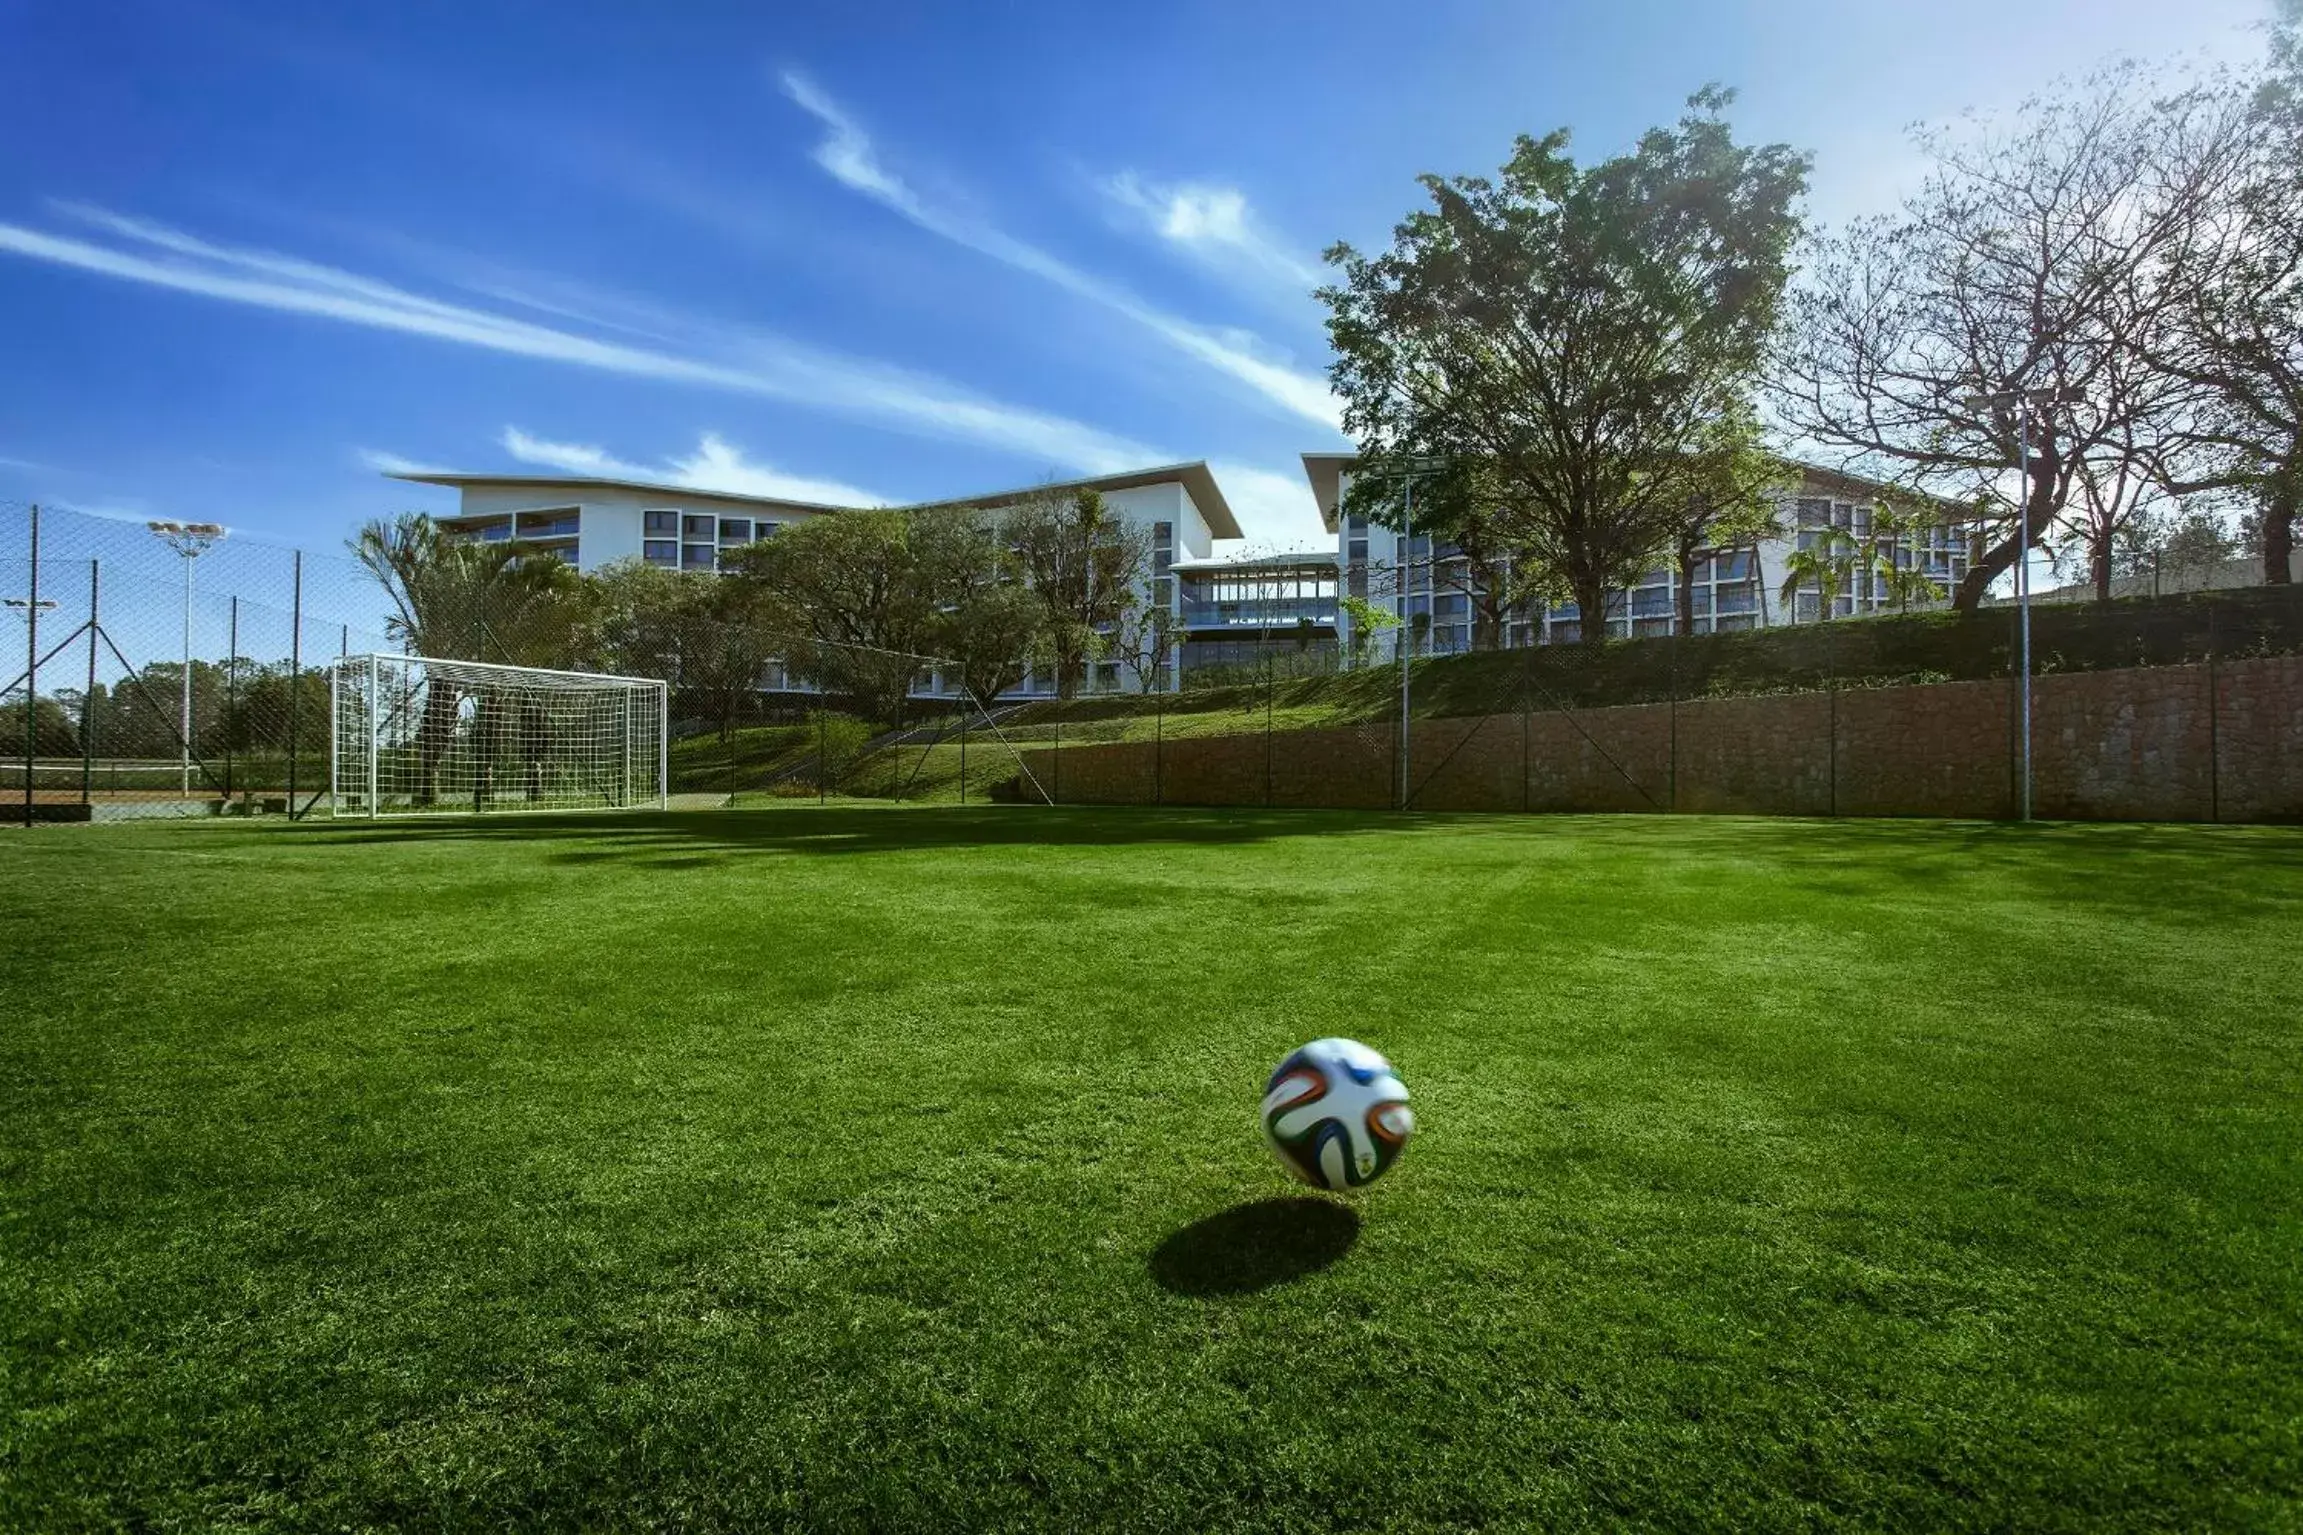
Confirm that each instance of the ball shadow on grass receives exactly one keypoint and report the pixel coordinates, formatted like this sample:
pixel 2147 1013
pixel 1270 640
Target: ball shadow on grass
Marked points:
pixel 1254 1246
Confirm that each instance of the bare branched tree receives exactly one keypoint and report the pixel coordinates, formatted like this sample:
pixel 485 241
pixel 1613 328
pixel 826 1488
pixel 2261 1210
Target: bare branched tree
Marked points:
pixel 2035 257
pixel 2239 331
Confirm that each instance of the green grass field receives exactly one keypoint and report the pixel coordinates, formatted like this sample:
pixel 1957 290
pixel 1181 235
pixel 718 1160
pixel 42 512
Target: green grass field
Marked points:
pixel 897 1169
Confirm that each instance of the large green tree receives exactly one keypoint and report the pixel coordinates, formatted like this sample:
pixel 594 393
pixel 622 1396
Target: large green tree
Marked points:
pixel 988 619
pixel 843 599
pixel 705 636
pixel 1087 566
pixel 1584 335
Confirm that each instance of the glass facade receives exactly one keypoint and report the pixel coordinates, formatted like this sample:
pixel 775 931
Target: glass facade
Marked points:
pixel 1724 589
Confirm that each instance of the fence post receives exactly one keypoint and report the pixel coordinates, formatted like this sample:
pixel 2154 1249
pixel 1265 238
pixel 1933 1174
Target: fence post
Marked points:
pixel 231 689
pixel 1398 782
pixel 376 739
pixel 1267 692
pixel 823 755
pixel 1057 771
pixel 1526 791
pixel 1831 691
pixel 88 702
pixel 1671 768
pixel 32 667
pixel 1159 749
pixel 2014 715
pixel 2214 726
pixel 296 684
pixel 964 753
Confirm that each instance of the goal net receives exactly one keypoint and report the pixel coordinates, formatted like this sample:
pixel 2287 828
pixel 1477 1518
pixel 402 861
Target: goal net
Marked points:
pixel 416 735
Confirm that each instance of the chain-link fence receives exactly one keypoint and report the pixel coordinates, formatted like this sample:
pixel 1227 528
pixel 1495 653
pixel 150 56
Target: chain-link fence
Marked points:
pixel 150 678
pixel 153 673
pixel 157 676
pixel 2183 708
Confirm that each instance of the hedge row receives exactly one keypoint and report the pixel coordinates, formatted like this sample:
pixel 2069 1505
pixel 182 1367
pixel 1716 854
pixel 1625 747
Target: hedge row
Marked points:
pixel 1939 646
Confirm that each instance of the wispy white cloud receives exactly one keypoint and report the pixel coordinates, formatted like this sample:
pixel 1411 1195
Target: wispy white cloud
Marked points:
pixel 158 256
pixel 390 463
pixel 846 154
pixel 716 464
pixel 1213 224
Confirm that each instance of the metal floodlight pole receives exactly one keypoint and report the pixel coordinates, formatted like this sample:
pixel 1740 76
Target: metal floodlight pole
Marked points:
pixel 88 696
pixel 1406 476
pixel 190 540
pixel 1406 627
pixel 2023 590
pixel 32 669
pixel 2025 403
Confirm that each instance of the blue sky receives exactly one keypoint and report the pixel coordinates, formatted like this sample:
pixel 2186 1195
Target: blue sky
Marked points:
pixel 250 254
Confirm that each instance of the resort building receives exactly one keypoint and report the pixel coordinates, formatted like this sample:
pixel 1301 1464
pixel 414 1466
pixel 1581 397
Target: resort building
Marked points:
pixel 594 522
pixel 1287 609
pixel 1429 590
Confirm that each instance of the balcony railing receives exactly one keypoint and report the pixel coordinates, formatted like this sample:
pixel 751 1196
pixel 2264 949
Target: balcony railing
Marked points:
pixel 1276 613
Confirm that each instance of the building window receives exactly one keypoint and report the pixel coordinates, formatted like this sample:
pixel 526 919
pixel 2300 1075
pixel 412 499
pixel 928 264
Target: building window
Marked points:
pixel 698 527
pixel 559 522
pixel 660 522
pixel 661 551
pixel 697 556
pixel 1649 601
pixel 735 530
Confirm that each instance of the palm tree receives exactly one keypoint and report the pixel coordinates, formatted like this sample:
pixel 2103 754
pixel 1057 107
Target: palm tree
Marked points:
pixel 1906 586
pixel 458 598
pixel 1827 563
pixel 462 599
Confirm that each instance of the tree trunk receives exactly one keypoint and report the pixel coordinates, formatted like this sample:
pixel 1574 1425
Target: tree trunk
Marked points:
pixel 2099 566
pixel 1590 611
pixel 2279 509
pixel 1683 594
pixel 1486 619
pixel 2000 558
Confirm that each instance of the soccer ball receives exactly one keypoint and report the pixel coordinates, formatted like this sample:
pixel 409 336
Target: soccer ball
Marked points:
pixel 1335 1114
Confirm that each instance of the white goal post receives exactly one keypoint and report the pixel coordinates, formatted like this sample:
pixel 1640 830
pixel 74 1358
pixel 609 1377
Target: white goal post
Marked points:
pixel 415 735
